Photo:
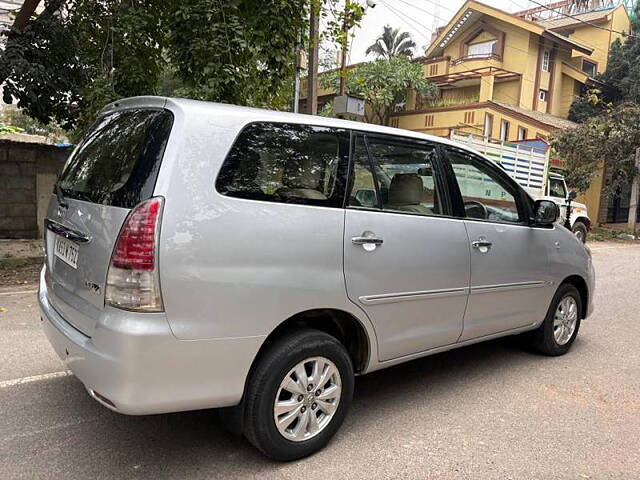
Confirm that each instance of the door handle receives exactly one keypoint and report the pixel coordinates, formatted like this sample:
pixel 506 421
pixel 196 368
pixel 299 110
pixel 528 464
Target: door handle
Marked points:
pixel 368 240
pixel 482 245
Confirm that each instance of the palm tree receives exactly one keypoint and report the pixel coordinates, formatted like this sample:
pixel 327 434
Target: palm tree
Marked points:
pixel 391 43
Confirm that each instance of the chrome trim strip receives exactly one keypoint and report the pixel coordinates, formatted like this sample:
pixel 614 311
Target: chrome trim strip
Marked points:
pixel 507 286
pixel 409 296
pixel 66 232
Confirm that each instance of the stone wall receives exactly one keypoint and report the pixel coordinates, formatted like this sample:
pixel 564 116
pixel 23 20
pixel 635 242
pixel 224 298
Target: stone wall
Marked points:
pixel 27 174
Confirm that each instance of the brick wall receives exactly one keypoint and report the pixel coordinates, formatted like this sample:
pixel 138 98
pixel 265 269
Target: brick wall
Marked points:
pixel 27 174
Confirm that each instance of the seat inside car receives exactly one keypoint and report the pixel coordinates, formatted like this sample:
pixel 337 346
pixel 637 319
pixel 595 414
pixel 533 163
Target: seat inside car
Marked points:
pixel 405 194
pixel 301 179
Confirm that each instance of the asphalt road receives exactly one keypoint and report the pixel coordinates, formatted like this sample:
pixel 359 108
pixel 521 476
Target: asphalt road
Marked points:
pixel 487 411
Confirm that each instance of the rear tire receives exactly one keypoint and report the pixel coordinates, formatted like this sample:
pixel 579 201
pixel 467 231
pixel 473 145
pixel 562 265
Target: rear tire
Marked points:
pixel 304 353
pixel 560 327
pixel 580 230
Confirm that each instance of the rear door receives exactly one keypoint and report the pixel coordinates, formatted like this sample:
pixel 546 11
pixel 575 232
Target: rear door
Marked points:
pixel 113 169
pixel 510 285
pixel 406 264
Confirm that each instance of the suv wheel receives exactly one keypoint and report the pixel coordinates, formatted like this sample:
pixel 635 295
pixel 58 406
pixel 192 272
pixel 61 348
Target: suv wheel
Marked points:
pixel 298 395
pixel 560 327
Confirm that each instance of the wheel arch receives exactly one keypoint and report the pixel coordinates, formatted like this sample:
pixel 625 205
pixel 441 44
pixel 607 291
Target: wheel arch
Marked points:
pixel 342 325
pixel 584 220
pixel 581 285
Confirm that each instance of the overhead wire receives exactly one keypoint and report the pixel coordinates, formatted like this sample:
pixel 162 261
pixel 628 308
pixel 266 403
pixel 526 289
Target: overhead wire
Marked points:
pixel 579 20
pixel 414 24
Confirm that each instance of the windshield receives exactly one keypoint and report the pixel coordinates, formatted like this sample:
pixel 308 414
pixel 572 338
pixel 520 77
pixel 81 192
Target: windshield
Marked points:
pixel 118 160
pixel 557 188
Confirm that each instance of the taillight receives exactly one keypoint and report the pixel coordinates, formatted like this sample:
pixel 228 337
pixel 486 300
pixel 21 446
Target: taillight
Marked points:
pixel 133 281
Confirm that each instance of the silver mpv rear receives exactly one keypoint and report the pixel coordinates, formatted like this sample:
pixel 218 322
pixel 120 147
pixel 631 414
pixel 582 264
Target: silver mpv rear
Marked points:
pixel 203 255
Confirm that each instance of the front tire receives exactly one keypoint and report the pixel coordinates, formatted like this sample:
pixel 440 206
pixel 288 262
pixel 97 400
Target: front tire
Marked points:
pixel 298 395
pixel 580 231
pixel 560 327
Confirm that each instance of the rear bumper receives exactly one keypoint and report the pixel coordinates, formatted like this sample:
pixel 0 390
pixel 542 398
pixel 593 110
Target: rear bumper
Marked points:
pixel 134 362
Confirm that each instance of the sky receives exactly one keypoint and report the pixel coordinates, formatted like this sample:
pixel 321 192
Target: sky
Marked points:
pixel 418 17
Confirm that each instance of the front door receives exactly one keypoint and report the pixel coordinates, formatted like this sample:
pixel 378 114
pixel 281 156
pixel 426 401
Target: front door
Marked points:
pixel 405 264
pixel 510 286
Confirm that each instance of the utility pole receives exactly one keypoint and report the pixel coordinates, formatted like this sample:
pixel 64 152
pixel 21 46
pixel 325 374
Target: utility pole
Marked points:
pixel 343 57
pixel 633 201
pixel 299 67
pixel 314 40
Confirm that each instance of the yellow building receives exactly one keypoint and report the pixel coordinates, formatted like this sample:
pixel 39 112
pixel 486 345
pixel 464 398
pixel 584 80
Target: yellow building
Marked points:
pixel 512 77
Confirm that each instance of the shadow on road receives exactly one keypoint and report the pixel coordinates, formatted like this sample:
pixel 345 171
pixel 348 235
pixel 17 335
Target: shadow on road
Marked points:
pixel 76 436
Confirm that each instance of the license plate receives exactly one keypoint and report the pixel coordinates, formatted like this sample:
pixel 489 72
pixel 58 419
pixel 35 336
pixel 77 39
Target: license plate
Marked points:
pixel 66 251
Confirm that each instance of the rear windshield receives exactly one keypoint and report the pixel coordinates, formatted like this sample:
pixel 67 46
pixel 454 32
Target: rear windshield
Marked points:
pixel 117 162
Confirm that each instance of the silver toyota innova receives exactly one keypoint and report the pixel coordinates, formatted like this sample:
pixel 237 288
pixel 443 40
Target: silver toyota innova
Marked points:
pixel 202 255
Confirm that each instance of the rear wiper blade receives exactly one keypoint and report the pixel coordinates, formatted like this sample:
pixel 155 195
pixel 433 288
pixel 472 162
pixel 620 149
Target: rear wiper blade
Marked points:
pixel 60 196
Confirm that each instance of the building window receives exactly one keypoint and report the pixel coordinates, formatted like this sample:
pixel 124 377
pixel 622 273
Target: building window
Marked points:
pixel 428 120
pixel 488 125
pixel 542 96
pixel 469 117
pixel 590 68
pixel 546 60
pixel 433 70
pixel 504 130
pixel 522 133
pixel 482 49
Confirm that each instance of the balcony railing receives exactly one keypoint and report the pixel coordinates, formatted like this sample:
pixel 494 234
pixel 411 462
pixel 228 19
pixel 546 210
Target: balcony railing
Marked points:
pixel 480 56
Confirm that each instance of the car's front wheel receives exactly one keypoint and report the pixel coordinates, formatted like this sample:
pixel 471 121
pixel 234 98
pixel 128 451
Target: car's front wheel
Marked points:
pixel 580 231
pixel 298 395
pixel 560 327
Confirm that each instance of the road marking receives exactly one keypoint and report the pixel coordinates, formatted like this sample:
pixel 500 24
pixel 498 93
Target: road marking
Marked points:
pixel 34 378
pixel 19 292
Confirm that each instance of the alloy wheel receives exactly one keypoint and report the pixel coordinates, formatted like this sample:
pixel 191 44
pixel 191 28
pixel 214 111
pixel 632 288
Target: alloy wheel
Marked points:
pixel 307 399
pixel 565 320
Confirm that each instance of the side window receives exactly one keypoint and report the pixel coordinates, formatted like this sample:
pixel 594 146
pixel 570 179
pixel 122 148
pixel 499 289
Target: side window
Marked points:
pixel 286 163
pixel 406 179
pixel 485 194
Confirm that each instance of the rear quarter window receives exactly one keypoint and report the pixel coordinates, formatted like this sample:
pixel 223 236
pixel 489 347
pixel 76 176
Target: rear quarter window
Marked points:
pixel 287 163
pixel 117 162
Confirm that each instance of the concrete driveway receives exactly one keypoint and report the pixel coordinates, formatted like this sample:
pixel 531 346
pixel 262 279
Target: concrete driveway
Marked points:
pixel 486 411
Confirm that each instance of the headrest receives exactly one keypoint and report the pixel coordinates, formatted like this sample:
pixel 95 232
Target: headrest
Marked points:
pixel 405 189
pixel 303 173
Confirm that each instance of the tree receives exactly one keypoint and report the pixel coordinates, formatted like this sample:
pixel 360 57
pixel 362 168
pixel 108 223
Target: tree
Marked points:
pixel 609 139
pixel 383 84
pixel 621 80
pixel 239 51
pixel 78 55
pixel 588 105
pixel 392 43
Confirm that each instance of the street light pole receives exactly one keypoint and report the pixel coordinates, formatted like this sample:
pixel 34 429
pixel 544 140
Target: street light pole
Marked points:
pixel 345 44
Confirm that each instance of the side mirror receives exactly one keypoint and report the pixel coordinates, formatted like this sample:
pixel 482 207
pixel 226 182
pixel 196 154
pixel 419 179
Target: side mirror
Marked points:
pixel 572 195
pixel 546 212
